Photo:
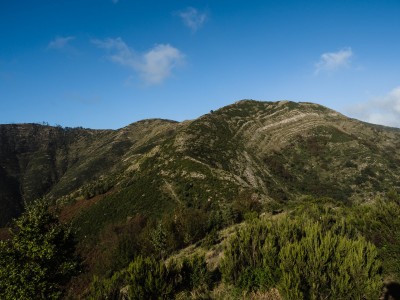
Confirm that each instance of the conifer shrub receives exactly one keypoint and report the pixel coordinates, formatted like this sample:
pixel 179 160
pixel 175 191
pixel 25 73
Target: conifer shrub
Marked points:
pixel 109 288
pixel 151 278
pixel 379 222
pixel 148 278
pixel 303 259
pixel 39 259
pixel 193 273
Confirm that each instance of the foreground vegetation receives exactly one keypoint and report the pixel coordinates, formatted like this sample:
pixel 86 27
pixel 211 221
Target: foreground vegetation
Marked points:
pixel 38 260
pixel 313 249
pixel 319 249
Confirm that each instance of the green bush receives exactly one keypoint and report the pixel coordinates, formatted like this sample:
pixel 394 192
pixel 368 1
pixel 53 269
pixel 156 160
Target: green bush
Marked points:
pixel 303 259
pixel 329 266
pixel 106 288
pixel 38 260
pixel 151 278
pixel 379 222
pixel 193 273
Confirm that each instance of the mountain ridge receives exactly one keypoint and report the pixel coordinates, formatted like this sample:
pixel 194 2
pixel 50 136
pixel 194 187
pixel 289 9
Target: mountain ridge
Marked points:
pixel 121 188
pixel 38 160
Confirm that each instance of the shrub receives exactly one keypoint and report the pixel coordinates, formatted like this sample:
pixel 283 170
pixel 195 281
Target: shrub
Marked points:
pixel 106 288
pixel 193 273
pixel 378 221
pixel 329 266
pixel 38 261
pixel 303 259
pixel 150 278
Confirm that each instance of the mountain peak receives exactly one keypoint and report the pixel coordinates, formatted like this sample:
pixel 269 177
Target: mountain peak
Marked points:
pixel 282 149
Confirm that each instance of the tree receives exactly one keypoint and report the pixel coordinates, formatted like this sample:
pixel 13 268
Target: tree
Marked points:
pixel 38 260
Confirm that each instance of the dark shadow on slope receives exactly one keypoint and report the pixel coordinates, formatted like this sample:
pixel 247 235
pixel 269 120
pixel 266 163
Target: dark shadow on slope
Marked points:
pixel 392 291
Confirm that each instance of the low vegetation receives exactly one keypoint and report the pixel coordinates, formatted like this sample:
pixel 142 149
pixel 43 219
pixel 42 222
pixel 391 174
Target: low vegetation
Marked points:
pixel 303 259
pixel 318 249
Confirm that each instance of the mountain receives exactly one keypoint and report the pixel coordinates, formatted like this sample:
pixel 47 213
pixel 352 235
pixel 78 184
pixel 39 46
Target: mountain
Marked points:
pixel 38 161
pixel 124 190
pixel 278 150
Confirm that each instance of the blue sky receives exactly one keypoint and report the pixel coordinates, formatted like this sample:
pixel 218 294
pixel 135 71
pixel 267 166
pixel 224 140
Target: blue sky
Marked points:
pixel 108 63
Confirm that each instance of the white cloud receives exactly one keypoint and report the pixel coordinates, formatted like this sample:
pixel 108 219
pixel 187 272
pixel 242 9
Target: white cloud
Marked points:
pixel 192 18
pixel 60 42
pixel 153 66
pixel 332 61
pixel 384 110
pixel 158 63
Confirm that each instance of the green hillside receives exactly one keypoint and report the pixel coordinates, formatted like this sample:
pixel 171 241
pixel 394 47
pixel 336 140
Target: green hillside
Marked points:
pixel 156 187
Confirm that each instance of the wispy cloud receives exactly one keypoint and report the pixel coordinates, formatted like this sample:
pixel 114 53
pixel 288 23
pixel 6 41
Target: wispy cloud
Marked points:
pixel 193 18
pixel 332 61
pixel 115 1
pixel 60 42
pixel 153 66
pixel 384 110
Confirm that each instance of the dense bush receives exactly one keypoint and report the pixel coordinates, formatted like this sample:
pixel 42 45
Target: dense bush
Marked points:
pixel 193 273
pixel 150 278
pixel 102 289
pixel 39 258
pixel 303 259
pixel 378 222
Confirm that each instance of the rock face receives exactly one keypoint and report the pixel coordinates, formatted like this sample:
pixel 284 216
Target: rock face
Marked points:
pixel 276 150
